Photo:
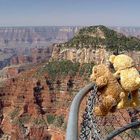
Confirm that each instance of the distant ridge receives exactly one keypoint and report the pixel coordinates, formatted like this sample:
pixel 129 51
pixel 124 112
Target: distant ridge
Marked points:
pixel 101 36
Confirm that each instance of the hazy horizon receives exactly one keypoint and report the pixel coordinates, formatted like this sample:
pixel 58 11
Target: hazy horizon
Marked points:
pixel 26 26
pixel 15 13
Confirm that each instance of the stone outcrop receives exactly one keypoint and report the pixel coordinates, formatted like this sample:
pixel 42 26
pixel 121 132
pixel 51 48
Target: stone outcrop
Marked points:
pixel 95 44
pixel 88 55
pixel 81 55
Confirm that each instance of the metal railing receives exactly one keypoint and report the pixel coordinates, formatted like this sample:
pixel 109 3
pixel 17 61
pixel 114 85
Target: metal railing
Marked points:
pixel 124 128
pixel 72 127
pixel 92 127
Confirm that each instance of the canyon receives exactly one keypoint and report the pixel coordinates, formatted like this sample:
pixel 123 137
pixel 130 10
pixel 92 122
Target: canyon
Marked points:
pixel 23 118
pixel 52 62
pixel 20 45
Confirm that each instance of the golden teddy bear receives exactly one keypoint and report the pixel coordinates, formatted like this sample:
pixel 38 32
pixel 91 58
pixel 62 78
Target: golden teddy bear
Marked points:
pixel 129 79
pixel 109 88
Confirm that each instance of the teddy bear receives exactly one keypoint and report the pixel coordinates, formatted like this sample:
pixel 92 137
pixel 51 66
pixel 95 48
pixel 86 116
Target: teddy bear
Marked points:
pixel 109 88
pixel 129 79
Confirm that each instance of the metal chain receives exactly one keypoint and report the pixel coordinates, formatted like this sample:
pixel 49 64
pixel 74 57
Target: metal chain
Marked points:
pixel 89 128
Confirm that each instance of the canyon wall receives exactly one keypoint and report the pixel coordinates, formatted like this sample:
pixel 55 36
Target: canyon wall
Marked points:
pixel 23 36
pixel 88 55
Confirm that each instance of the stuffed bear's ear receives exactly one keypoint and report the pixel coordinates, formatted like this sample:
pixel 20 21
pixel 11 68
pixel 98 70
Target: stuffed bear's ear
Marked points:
pixel 112 58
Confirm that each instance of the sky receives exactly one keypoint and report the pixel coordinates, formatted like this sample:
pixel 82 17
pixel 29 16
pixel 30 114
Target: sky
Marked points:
pixel 69 12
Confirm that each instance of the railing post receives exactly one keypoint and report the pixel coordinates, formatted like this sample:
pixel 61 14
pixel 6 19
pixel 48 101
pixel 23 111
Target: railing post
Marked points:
pixel 72 126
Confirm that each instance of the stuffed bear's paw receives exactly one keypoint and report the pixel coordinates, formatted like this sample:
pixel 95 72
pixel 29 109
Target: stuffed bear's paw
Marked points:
pixel 99 112
pixel 122 95
pixel 120 105
pixel 123 104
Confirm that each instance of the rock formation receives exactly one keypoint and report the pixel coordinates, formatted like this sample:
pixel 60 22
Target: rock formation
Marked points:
pixel 81 55
pixel 94 44
pixel 22 118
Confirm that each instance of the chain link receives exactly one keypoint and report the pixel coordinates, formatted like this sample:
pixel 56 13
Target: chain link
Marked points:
pixel 89 123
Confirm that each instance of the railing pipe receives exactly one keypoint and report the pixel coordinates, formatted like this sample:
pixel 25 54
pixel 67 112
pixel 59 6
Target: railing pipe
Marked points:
pixel 72 127
pixel 122 129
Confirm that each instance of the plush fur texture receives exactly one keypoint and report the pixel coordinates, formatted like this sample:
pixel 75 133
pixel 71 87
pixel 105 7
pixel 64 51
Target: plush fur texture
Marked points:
pixel 129 79
pixel 109 88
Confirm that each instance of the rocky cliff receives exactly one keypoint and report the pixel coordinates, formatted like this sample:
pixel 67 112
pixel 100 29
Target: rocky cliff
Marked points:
pixel 128 31
pixel 20 45
pixel 19 56
pixel 95 44
pixel 22 116
pixel 81 55
pixel 25 36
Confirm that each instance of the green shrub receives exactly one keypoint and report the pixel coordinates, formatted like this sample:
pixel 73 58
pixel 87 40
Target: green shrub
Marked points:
pixel 25 119
pixel 59 120
pixel 135 133
pixel 57 68
pixel 14 113
pixel 86 69
pixel 39 122
pixel 50 119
